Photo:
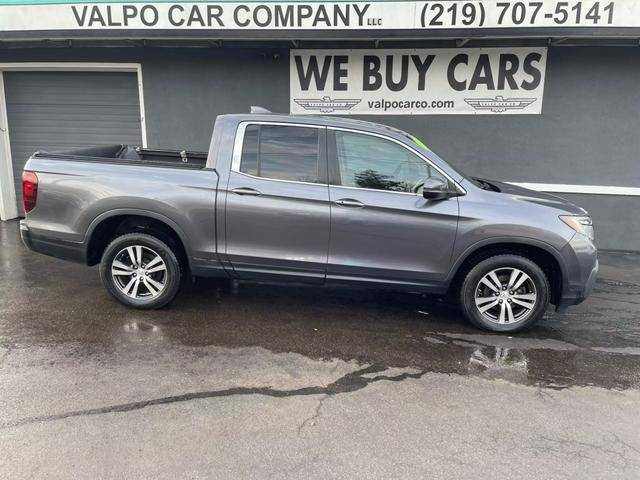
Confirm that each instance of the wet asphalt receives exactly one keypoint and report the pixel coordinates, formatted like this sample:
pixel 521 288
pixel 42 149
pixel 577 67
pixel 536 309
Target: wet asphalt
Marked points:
pixel 272 381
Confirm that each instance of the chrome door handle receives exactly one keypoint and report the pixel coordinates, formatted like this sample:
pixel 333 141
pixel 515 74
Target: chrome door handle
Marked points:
pixel 246 191
pixel 349 202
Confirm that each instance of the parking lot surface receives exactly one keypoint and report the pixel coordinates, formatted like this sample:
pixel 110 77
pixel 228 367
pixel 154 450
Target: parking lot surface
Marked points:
pixel 266 381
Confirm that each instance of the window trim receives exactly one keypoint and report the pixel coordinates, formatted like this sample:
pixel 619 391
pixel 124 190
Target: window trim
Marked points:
pixel 333 158
pixel 239 142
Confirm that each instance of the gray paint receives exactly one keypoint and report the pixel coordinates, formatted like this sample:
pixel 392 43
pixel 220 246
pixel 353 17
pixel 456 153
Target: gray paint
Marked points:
pixel 587 133
pixel 189 89
pixel 286 232
pixel 56 111
pixel 75 196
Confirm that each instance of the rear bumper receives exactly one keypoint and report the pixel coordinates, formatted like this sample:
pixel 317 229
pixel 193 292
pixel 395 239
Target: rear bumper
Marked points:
pixel 65 250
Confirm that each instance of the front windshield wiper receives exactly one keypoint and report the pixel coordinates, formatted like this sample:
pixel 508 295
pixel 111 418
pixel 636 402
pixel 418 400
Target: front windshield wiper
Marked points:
pixel 483 184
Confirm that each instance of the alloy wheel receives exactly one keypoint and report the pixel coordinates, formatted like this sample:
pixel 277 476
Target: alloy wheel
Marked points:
pixel 505 295
pixel 139 272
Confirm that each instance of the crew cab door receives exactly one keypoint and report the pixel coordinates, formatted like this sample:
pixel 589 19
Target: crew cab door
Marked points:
pixel 381 231
pixel 277 203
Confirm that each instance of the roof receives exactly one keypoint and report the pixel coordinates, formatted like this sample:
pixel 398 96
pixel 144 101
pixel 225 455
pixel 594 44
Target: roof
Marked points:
pixel 325 120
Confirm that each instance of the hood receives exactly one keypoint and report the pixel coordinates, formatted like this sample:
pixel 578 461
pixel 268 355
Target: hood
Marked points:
pixel 540 198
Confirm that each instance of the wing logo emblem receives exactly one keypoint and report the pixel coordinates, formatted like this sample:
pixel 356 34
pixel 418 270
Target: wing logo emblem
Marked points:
pixel 326 105
pixel 499 104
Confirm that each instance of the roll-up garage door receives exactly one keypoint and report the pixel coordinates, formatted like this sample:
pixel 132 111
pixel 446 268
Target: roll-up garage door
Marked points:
pixel 57 111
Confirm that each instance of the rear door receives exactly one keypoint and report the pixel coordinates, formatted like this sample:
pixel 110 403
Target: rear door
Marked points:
pixel 277 203
pixel 381 230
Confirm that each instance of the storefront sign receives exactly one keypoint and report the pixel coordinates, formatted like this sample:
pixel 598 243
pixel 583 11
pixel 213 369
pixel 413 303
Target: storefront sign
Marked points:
pixel 425 82
pixel 49 15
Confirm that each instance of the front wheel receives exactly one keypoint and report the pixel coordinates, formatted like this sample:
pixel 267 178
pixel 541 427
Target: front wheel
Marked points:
pixel 140 271
pixel 505 293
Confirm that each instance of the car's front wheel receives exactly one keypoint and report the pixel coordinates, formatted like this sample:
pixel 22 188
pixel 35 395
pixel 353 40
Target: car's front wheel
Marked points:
pixel 505 293
pixel 140 271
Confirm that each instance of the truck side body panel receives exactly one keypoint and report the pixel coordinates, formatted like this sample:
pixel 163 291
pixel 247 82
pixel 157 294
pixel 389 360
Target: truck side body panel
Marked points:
pixel 75 196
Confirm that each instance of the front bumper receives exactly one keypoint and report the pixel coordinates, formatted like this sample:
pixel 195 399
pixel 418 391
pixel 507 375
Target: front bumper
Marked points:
pixel 575 297
pixel 581 262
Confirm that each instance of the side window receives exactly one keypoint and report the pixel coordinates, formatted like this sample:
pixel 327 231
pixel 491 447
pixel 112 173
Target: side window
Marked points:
pixel 281 152
pixel 366 161
pixel 249 160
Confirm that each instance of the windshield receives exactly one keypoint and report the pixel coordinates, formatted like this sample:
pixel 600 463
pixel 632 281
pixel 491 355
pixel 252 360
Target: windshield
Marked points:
pixel 478 182
pixel 431 154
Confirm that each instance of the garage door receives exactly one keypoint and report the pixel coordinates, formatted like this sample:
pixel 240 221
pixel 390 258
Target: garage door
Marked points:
pixel 59 111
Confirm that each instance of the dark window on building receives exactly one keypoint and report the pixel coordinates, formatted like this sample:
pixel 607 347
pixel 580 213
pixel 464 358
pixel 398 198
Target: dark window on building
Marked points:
pixel 281 152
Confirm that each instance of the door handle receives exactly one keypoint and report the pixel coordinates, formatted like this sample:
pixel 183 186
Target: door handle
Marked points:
pixel 349 202
pixel 246 191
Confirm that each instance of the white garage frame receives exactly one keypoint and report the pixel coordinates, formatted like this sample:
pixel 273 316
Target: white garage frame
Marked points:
pixel 8 207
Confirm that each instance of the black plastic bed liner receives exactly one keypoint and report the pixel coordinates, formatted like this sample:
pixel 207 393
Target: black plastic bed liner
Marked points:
pixel 133 154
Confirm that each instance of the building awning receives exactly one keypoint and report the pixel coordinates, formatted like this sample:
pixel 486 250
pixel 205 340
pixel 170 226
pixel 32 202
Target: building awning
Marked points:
pixel 312 20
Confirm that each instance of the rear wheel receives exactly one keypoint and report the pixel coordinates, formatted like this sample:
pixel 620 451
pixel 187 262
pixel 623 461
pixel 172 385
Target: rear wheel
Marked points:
pixel 140 271
pixel 505 293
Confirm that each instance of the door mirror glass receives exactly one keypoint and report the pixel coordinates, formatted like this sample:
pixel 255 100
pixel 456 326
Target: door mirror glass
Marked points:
pixel 434 188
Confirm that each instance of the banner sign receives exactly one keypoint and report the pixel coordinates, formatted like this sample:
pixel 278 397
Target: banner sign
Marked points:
pixel 69 15
pixel 418 81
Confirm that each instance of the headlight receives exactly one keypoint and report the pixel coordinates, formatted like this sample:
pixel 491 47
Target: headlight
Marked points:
pixel 581 224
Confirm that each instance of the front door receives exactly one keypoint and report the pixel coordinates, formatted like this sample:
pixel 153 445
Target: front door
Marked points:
pixel 277 204
pixel 381 230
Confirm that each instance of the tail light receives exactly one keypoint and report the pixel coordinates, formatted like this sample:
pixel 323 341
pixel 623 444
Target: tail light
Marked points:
pixel 29 191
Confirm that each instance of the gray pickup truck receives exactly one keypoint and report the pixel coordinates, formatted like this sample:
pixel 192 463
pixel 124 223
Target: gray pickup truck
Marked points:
pixel 313 200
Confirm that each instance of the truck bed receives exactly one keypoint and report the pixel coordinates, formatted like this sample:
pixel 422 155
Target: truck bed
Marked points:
pixel 131 155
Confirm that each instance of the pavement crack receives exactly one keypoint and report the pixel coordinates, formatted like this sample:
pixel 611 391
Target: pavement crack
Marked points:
pixel 542 394
pixel 619 300
pixel 618 283
pixel 350 382
pixel 311 420
pixel 614 448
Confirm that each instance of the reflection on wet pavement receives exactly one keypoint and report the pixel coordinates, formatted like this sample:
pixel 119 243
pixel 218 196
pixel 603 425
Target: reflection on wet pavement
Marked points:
pixel 48 303
pixel 266 381
pixel 52 303
pixel 504 363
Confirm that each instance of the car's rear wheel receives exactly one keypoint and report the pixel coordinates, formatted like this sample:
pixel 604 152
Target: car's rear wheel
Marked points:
pixel 140 271
pixel 505 293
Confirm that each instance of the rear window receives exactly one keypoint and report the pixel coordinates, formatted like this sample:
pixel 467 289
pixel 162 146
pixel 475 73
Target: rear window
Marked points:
pixel 281 152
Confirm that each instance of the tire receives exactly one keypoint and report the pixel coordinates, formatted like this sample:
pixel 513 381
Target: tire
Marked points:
pixel 120 270
pixel 493 307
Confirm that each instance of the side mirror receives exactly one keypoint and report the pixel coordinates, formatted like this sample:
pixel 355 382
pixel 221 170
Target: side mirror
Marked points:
pixel 436 189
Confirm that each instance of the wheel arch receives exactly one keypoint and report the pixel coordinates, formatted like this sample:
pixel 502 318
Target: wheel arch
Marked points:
pixel 107 226
pixel 541 253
